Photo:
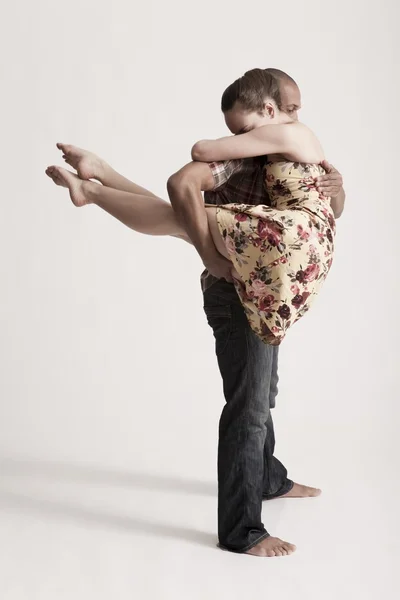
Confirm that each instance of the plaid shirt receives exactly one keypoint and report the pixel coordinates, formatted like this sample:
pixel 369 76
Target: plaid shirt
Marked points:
pixel 236 181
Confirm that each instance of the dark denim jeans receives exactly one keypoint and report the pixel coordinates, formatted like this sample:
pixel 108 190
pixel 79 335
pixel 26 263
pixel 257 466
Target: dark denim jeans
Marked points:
pixel 247 469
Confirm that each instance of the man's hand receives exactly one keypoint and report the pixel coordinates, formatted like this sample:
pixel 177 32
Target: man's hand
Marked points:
pixel 220 267
pixel 330 184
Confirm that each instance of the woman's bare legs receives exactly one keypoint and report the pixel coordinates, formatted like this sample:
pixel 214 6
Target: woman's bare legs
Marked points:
pixel 217 237
pixel 91 166
pixel 145 213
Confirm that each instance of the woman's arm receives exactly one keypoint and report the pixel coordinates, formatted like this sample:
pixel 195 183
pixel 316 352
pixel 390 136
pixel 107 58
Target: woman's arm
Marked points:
pixel 293 140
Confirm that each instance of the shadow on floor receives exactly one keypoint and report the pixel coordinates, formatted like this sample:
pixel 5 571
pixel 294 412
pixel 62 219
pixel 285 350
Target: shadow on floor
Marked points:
pixel 44 507
pixel 93 474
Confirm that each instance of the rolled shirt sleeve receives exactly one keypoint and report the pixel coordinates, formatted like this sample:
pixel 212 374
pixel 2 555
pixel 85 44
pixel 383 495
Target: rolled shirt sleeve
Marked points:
pixel 223 170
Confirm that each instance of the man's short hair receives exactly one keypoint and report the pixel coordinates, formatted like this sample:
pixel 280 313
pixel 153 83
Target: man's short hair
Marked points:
pixel 280 75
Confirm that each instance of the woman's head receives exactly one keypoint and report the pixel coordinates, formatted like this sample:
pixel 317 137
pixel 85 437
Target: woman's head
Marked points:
pixel 255 99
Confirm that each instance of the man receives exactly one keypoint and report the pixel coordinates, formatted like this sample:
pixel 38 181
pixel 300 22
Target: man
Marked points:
pixel 248 471
pixel 247 468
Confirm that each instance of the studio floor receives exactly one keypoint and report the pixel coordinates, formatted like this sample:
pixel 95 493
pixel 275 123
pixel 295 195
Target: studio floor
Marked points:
pixel 73 531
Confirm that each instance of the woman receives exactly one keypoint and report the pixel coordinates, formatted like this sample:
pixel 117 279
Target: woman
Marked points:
pixel 281 254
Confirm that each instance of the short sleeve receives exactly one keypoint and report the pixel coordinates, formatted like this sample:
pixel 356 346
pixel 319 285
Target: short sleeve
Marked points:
pixel 223 170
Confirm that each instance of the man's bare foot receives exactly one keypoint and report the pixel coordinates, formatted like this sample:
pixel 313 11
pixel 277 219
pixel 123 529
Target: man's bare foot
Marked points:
pixel 71 181
pixel 272 546
pixel 86 164
pixel 301 491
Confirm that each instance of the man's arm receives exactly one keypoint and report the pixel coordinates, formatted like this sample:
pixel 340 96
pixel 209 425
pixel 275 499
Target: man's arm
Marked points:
pixel 184 190
pixel 337 203
pixel 331 185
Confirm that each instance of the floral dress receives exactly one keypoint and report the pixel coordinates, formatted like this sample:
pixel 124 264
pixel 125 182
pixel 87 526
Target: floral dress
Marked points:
pixel 282 252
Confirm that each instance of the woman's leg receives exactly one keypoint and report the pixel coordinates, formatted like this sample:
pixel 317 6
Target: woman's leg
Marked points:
pixel 142 213
pixel 215 232
pixel 217 237
pixel 90 166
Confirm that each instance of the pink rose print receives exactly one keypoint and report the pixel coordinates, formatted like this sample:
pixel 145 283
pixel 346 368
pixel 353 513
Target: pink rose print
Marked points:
pixel 270 231
pixel 241 217
pixel 256 242
pixel 259 288
pixel 302 233
pixel 295 289
pixel 267 302
pixel 311 273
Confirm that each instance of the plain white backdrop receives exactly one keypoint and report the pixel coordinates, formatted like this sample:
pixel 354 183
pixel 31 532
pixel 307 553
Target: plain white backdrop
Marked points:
pixel 110 391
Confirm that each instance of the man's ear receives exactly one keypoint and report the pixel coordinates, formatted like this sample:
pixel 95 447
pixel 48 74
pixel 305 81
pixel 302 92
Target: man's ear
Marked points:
pixel 269 110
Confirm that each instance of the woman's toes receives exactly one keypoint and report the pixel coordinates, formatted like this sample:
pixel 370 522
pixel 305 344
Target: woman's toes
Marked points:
pixel 50 172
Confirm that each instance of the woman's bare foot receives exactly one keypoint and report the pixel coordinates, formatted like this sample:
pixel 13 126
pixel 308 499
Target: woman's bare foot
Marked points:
pixel 71 181
pixel 86 164
pixel 272 546
pixel 301 491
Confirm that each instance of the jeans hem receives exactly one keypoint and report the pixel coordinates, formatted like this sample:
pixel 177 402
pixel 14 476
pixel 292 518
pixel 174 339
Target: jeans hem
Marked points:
pixel 280 493
pixel 257 541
